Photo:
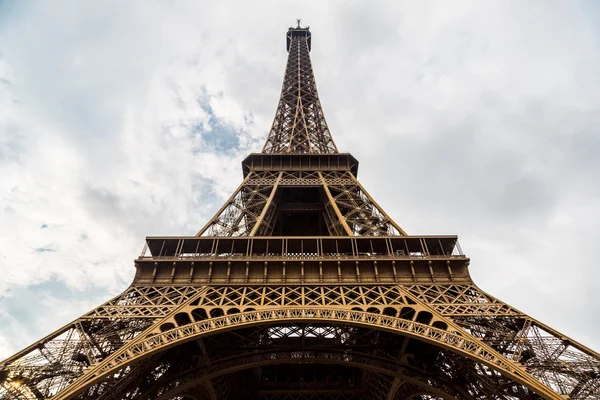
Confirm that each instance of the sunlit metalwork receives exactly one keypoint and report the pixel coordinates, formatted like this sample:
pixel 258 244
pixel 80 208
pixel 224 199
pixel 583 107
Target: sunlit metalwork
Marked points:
pixel 302 288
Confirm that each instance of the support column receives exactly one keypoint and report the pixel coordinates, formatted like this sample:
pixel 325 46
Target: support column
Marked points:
pixel 227 203
pixel 261 217
pixel 372 201
pixel 335 207
pixel 394 389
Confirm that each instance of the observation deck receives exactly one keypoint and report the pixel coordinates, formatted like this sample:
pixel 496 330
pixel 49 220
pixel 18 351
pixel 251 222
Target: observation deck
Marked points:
pixel 300 162
pixel 310 260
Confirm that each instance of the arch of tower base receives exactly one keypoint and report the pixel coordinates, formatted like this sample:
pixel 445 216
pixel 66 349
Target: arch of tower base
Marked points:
pixel 386 354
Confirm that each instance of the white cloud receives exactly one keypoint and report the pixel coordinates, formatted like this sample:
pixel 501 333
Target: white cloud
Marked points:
pixel 124 120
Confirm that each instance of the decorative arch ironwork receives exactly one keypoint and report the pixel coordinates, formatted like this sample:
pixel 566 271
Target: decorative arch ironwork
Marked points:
pixel 455 341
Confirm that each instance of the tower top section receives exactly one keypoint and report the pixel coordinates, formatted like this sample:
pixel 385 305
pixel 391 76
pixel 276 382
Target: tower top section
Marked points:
pixel 299 125
pixel 298 32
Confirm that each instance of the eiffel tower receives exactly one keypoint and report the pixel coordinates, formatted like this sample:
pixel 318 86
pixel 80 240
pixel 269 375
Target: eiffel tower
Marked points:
pixel 302 287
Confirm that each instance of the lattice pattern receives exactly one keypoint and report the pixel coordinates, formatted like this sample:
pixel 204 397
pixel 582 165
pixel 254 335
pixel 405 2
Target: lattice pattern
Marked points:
pixel 144 302
pixel 343 350
pixel 243 209
pixel 555 360
pixel 139 376
pixel 359 211
pixel 379 385
pixel 552 360
pixel 171 334
pixel 299 125
pixel 361 297
pixel 346 207
pixel 461 300
pixel 50 366
pixel 302 178
pixel 555 363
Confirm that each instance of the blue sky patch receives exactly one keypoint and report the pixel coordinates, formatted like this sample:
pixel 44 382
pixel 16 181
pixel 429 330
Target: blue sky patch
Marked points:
pixel 222 138
pixel 44 250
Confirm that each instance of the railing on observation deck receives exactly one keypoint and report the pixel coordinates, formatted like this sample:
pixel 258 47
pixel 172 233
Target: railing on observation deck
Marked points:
pixel 301 248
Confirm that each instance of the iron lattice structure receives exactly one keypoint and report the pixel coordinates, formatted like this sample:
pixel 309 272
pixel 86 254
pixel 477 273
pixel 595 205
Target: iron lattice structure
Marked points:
pixel 302 288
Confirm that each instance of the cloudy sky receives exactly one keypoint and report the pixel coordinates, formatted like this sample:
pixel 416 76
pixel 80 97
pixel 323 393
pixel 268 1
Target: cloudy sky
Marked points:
pixel 125 119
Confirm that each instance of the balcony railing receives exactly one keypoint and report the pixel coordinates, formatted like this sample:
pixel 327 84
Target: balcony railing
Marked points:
pixel 301 248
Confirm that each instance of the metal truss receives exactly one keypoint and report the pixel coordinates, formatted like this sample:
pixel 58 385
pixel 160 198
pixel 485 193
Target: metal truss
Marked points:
pixel 357 211
pixel 345 206
pixel 530 362
pixel 299 125
pixel 246 208
pixel 557 361
pixel 302 288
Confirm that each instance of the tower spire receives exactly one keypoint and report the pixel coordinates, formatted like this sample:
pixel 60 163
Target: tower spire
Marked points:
pixel 299 125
